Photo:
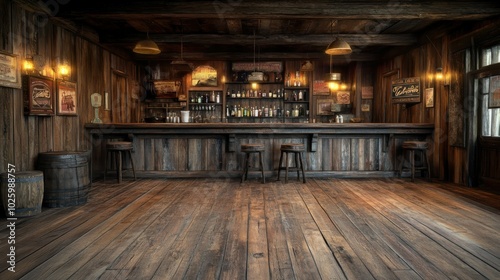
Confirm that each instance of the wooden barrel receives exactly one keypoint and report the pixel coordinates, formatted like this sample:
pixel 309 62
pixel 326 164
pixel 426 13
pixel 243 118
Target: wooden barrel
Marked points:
pixel 28 193
pixel 66 177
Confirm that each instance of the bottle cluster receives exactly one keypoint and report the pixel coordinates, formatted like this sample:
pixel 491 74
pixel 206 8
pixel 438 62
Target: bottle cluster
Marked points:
pixel 238 111
pixel 249 93
pixel 212 97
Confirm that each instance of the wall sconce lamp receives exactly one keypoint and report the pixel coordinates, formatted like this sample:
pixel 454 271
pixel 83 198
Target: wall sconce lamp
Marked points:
pixel 28 65
pixel 64 71
pixel 439 74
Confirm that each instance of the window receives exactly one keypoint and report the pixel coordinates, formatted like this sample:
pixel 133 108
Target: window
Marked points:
pixel 490 94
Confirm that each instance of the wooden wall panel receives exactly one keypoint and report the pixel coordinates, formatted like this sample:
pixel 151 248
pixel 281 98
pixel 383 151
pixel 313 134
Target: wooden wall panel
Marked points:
pixel 24 137
pixel 447 163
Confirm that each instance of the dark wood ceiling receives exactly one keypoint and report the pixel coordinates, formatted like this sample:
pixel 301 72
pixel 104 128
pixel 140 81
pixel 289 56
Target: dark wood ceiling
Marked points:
pixel 224 29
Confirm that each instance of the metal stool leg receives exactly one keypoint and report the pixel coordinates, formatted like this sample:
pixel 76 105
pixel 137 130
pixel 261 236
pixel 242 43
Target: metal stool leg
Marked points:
pixel 286 167
pixel 119 166
pixel 262 168
pixel 245 168
pixel 296 155
pixel 302 167
pixel 279 166
pixel 132 162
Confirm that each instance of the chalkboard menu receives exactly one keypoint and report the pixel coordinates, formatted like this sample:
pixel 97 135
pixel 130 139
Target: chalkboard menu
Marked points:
pixel 406 90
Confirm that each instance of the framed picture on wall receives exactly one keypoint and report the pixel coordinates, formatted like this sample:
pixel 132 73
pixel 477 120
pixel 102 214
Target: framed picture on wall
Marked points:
pixel 204 76
pixel 39 96
pixel 324 106
pixel 66 98
pixel 166 88
pixel 10 74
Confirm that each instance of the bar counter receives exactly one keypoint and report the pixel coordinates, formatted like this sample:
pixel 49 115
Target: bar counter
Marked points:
pixel 213 149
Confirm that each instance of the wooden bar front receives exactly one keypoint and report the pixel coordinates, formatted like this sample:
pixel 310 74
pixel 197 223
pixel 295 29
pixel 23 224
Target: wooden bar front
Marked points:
pixel 213 149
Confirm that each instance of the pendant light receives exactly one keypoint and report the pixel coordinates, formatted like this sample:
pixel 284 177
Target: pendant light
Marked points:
pixel 338 46
pixel 180 64
pixel 147 46
pixel 255 76
pixel 333 78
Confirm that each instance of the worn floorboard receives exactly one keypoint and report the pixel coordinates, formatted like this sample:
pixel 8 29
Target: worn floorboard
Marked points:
pixel 328 228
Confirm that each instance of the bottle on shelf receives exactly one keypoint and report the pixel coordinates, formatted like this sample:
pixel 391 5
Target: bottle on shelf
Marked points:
pixel 212 97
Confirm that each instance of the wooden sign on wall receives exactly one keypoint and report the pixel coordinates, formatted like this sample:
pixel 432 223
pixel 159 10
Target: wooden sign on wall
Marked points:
pixel 406 90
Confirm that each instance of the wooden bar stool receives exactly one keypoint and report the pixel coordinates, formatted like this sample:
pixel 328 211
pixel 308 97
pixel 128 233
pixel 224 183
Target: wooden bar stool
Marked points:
pixel 116 148
pixel 411 147
pixel 297 150
pixel 249 149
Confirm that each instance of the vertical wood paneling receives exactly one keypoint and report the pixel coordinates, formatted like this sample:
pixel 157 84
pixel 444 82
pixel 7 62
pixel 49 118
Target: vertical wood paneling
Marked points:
pixel 24 137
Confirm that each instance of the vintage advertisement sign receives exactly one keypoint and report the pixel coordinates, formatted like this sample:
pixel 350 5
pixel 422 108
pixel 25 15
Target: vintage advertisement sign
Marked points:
pixel 406 90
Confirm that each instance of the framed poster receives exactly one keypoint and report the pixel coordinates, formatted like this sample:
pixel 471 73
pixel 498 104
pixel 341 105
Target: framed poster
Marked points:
pixel 429 97
pixel 343 97
pixel 39 95
pixel 10 74
pixel 494 94
pixel 204 76
pixel 320 87
pixel 66 98
pixel 324 106
pixel 406 90
pixel 166 88
pixel 366 92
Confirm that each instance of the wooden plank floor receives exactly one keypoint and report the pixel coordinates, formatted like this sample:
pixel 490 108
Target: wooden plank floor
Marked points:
pixel 221 229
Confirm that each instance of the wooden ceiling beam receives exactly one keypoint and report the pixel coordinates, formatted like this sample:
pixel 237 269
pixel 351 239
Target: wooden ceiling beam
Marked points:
pixel 274 40
pixel 319 9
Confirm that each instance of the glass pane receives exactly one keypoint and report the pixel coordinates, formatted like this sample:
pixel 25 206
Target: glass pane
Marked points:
pixel 485 85
pixel 485 116
pixel 495 122
pixel 495 54
pixel 486 57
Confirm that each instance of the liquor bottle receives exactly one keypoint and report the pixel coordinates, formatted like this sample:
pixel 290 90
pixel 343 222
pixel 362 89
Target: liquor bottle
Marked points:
pixel 301 95
pixel 233 95
pixel 238 94
pixel 228 113
pixel 301 111
pixel 212 97
pixel 217 98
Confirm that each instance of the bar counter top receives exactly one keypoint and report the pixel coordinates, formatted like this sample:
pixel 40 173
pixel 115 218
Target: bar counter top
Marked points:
pixel 272 128
pixel 213 149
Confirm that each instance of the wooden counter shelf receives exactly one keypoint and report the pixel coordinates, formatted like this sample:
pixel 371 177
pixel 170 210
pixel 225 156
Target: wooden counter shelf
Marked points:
pixel 212 149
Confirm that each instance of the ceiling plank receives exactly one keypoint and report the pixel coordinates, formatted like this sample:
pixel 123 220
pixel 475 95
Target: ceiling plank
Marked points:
pixel 389 10
pixel 279 39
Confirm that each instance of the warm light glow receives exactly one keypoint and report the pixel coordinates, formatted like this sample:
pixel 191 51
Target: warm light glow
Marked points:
pixel 343 86
pixel 28 65
pixel 223 79
pixel 439 74
pixel 64 70
pixel 254 86
pixel 333 85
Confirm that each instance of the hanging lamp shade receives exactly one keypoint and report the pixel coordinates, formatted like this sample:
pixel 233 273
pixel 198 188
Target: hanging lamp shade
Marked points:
pixel 146 47
pixel 338 47
pixel 332 77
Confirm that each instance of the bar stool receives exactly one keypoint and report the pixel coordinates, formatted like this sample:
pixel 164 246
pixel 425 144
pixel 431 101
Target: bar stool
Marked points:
pixel 412 147
pixel 249 149
pixel 117 148
pixel 297 150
